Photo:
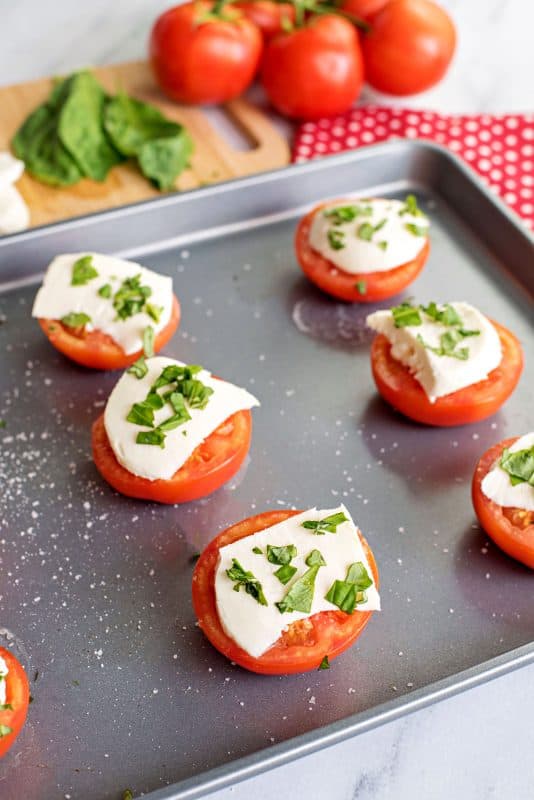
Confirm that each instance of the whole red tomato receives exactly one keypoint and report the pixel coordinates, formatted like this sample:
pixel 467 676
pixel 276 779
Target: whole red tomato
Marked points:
pixel 409 47
pixel 268 15
pixel 364 9
pixel 203 52
pixel 315 70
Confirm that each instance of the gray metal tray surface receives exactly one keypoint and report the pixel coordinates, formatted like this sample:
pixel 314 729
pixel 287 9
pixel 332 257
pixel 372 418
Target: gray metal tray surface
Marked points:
pixel 95 588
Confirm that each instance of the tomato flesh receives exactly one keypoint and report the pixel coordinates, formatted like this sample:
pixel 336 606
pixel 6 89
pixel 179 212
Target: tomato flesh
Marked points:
pixel 512 529
pixel 211 465
pixel 400 389
pixel 344 285
pixel 96 349
pixel 17 696
pixel 305 643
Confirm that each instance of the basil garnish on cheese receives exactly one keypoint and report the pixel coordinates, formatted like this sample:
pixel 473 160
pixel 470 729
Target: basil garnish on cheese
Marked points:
pixel 83 271
pixel 519 465
pixel 326 525
pixel 411 207
pixel 347 594
pixel 300 595
pixel 281 555
pixel 406 315
pixel 76 319
pixel 181 386
pixel 245 579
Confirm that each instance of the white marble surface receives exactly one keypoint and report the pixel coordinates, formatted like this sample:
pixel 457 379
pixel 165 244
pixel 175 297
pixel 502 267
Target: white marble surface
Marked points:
pixel 478 745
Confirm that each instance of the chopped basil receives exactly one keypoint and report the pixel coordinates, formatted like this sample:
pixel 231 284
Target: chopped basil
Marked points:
pixel 241 577
pixel 281 555
pixel 406 315
pixel 257 550
pixel 183 386
pixel 6 707
pixel 127 794
pixel 5 730
pixel 366 231
pixel 131 297
pixel 343 214
pixel 148 341
pixel 300 595
pixel 383 245
pixel 3 423
pixel 141 414
pixel 153 311
pixel 75 320
pixel 138 368
pixel 411 207
pixel 83 271
pixel 416 230
pixel 447 315
pixel 105 291
pixel 314 559
pixel 519 465
pixel 326 525
pixel 325 663
pixel 348 593
pixel 336 239
pixel 285 573
pixel 155 437
pixel 447 344
pixel 361 287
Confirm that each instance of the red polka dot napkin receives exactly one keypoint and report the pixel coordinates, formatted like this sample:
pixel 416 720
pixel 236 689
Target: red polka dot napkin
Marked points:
pixel 500 148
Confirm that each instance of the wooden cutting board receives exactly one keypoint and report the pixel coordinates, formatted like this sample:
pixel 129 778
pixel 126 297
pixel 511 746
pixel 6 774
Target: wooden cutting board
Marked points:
pixel 214 159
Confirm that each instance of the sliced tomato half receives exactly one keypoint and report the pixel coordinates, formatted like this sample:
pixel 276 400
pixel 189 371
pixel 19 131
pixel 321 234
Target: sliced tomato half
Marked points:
pixel 13 713
pixel 480 400
pixel 305 643
pixel 210 466
pixel 96 349
pixel 512 529
pixel 368 287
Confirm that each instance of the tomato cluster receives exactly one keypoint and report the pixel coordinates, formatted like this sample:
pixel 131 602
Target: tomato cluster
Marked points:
pixel 311 63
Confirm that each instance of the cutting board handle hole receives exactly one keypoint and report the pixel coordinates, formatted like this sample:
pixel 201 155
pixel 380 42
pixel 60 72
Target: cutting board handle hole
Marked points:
pixel 231 129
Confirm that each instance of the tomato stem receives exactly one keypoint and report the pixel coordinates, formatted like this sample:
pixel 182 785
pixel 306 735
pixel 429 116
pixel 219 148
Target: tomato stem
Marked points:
pixel 321 7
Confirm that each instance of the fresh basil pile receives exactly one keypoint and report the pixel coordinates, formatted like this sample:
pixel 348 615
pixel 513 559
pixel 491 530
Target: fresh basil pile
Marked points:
pixel 81 132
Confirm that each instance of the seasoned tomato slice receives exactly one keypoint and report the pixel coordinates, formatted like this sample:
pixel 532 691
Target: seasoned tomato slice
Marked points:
pixel 305 643
pixel 512 529
pixel 98 350
pixel 344 285
pixel 211 465
pixel 480 400
pixel 13 714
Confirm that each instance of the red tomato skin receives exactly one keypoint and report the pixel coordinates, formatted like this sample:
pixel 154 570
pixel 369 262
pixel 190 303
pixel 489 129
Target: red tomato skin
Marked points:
pixel 409 47
pixel 517 542
pixel 344 285
pixel 364 9
pixel 314 71
pixel 97 350
pixel 471 404
pixel 332 631
pixel 267 15
pixel 203 62
pixel 17 695
pixel 210 466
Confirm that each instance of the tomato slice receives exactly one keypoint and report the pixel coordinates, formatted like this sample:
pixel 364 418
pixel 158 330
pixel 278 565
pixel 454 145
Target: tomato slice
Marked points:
pixel 512 529
pixel 17 696
pixel 400 389
pixel 305 643
pixel 98 350
pixel 211 465
pixel 344 285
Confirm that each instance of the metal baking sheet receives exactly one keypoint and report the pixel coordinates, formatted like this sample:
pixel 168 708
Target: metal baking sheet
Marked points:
pixel 95 588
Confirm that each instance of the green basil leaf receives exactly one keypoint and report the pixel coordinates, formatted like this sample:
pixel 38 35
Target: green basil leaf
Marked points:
pixel 347 594
pixel 5 730
pixel 326 525
pixel 325 663
pixel 281 555
pixel 519 465
pixel 361 287
pixel 406 315
pixel 105 291
pixel 141 414
pixel 76 319
pixel 285 573
pixel 138 368
pixel 148 341
pixel 336 239
pixel 315 559
pixel 83 271
pixel 242 578
pixel 155 437
pixel 300 595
